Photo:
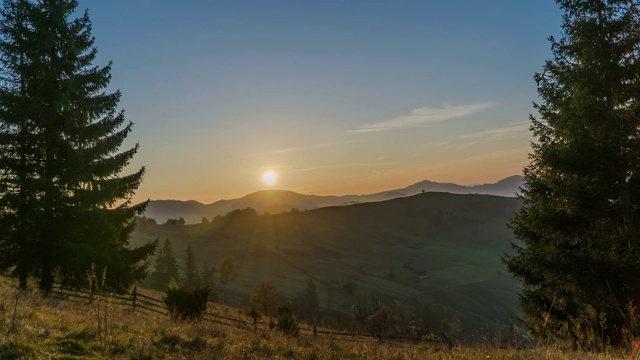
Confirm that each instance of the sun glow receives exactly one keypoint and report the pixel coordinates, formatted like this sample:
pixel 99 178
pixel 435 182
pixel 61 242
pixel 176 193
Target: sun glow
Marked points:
pixel 269 178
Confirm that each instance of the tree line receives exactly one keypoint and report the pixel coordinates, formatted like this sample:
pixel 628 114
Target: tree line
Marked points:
pixel 166 271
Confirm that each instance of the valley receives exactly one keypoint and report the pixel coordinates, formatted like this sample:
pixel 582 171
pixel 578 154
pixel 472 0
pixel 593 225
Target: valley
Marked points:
pixel 433 257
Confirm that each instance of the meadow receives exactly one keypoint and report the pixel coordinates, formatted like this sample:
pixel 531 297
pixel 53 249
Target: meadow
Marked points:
pixel 56 327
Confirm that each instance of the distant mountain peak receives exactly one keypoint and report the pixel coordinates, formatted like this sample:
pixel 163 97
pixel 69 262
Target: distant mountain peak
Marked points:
pixel 275 201
pixel 511 179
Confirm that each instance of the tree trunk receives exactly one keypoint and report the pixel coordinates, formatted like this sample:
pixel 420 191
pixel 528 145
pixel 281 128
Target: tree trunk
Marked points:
pixel 629 220
pixel 46 277
pixel 22 278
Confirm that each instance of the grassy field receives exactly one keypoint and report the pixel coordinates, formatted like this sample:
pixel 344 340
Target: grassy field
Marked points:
pixel 55 328
pixel 435 254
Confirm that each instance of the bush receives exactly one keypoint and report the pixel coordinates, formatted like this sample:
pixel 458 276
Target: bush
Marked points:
pixel 287 321
pixel 384 322
pixel 187 303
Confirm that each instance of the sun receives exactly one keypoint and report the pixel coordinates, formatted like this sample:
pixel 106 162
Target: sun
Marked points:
pixel 269 178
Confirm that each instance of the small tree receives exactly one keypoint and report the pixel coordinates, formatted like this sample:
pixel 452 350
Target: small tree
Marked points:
pixel 306 303
pixel 384 322
pixel 166 267
pixel 255 315
pixel 265 297
pixel 224 272
pixel 192 278
pixel 287 322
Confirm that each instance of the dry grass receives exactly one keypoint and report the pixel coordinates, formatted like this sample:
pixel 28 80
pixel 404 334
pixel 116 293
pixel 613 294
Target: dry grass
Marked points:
pixel 55 328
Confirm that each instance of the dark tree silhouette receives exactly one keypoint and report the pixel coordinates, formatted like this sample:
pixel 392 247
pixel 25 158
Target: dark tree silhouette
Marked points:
pixel 166 267
pixel 578 225
pixel 60 134
pixel 191 276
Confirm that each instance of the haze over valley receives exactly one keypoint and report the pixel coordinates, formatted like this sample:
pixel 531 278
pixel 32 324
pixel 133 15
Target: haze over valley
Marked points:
pixel 276 201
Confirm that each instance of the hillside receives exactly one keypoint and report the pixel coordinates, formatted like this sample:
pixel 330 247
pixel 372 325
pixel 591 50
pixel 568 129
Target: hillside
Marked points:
pixel 436 255
pixel 59 327
pixel 276 201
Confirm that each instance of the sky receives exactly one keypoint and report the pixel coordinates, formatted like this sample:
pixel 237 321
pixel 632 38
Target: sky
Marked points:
pixel 332 96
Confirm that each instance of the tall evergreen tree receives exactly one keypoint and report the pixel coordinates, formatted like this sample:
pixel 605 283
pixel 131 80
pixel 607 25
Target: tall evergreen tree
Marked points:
pixel 191 276
pixel 166 267
pixel 81 212
pixel 579 257
pixel 17 143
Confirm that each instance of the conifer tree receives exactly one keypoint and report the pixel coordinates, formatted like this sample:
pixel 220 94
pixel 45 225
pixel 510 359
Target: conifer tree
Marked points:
pixel 80 207
pixel 578 224
pixel 191 278
pixel 17 143
pixel 166 267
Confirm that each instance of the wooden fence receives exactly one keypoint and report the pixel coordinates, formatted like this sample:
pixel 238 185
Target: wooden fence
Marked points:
pixel 144 303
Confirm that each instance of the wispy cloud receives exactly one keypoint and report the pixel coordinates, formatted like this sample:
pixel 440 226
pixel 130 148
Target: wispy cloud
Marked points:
pixel 306 148
pixel 423 116
pixel 349 165
pixel 499 133
pixel 509 131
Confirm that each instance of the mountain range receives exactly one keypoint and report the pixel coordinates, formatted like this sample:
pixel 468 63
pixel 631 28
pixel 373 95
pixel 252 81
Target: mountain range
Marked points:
pixel 277 201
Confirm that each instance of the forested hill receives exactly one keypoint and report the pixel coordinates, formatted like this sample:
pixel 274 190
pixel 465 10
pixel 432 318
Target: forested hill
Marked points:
pixel 276 201
pixel 432 254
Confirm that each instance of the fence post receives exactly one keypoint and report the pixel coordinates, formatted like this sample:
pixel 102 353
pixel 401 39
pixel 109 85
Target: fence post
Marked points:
pixel 134 294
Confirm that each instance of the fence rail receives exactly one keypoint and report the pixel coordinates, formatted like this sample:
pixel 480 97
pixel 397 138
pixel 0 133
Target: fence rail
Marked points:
pixel 144 303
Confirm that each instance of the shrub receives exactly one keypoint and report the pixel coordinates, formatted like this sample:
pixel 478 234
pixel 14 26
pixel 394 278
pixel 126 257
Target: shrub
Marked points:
pixel 187 303
pixel 384 322
pixel 287 321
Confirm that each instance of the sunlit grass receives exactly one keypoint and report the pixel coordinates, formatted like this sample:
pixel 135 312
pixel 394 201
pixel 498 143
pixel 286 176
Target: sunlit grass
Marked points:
pixel 62 329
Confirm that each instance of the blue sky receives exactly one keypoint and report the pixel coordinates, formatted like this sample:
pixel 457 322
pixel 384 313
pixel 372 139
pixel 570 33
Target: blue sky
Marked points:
pixel 335 96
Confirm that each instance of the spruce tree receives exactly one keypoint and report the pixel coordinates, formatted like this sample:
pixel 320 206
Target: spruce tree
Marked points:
pixel 81 212
pixel 166 267
pixel 578 258
pixel 17 143
pixel 191 278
